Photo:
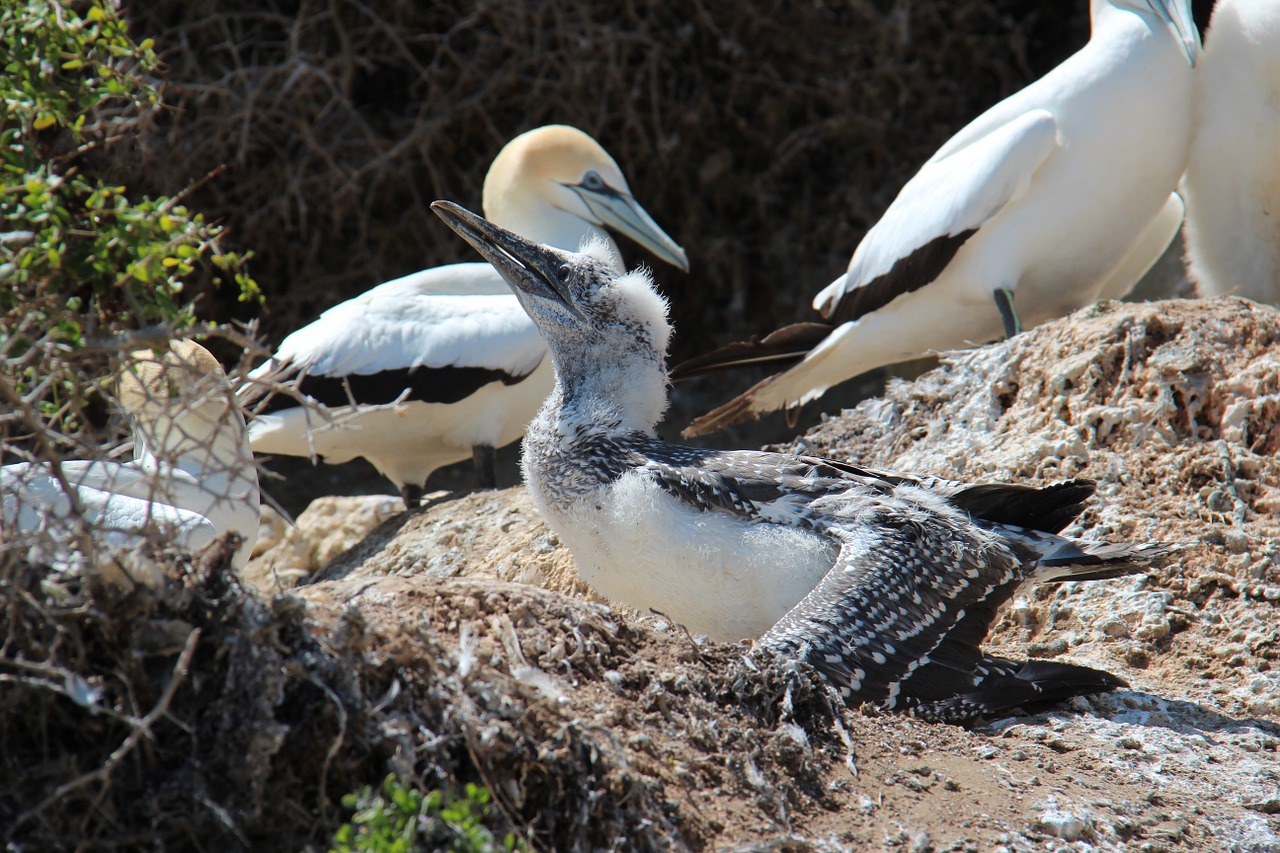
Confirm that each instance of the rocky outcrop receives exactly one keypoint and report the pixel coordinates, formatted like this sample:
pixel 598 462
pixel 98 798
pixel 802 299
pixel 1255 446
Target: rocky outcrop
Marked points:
pixel 1173 407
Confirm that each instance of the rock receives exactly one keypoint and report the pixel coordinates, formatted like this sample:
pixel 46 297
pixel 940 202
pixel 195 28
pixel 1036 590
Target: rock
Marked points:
pixel 1067 825
pixel 490 534
pixel 326 528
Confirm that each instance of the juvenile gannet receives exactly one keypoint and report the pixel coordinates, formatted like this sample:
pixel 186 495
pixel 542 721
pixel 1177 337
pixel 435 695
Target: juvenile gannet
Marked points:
pixel 885 582
pixel 1232 184
pixel 1056 196
pixel 192 475
pixel 450 345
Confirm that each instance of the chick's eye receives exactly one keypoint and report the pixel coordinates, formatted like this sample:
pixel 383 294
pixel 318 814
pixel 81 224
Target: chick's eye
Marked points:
pixel 565 273
pixel 592 181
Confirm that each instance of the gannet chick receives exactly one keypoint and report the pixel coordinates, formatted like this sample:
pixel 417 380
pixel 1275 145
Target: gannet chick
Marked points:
pixel 885 582
pixel 192 476
pixel 449 346
pixel 1232 184
pixel 1059 195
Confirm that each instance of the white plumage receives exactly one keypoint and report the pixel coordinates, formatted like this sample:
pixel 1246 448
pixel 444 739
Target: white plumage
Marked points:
pixel 1232 184
pixel 449 315
pixel 729 578
pixel 1058 195
pixel 398 329
pixel 192 476
pixel 885 582
pixel 444 362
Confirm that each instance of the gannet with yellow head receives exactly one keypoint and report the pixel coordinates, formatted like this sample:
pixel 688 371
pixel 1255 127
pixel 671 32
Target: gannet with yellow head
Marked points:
pixel 192 476
pixel 450 346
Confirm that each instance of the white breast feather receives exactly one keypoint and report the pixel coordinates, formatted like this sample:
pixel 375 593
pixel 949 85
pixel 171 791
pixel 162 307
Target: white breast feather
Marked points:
pixel 753 572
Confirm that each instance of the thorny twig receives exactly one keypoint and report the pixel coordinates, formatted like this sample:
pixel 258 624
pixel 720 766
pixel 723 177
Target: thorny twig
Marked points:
pixel 141 727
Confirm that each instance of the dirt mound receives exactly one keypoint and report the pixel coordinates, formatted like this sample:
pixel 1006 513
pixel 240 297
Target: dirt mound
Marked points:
pixel 199 716
pixel 484 534
pixel 589 732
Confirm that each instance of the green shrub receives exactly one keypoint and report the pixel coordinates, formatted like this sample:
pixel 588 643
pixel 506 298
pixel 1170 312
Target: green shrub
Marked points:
pixel 81 262
pixel 402 820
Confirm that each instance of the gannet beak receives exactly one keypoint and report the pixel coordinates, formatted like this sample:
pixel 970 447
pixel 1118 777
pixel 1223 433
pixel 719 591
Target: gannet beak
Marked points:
pixel 1176 17
pixel 620 211
pixel 526 266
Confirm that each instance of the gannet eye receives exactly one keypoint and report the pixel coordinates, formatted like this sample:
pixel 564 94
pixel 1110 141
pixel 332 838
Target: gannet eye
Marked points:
pixel 593 181
pixel 566 273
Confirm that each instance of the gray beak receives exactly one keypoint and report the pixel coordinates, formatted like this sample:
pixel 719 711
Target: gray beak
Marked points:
pixel 527 267
pixel 620 212
pixel 1176 15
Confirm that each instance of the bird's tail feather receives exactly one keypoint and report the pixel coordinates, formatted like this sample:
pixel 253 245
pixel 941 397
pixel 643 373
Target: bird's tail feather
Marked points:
pixel 807 379
pixel 1090 561
pixel 737 410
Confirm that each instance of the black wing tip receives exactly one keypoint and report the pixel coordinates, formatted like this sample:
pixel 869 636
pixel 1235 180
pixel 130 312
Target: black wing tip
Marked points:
pixel 1094 561
pixel 449 384
pixel 1036 685
pixel 909 273
pixel 787 344
pixel 1048 509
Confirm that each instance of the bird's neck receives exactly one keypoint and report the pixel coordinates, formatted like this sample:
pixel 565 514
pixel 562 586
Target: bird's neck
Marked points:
pixel 215 453
pixel 616 392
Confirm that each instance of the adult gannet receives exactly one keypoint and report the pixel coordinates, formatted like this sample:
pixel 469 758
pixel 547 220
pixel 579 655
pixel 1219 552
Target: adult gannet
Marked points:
pixel 884 582
pixel 192 476
pixel 450 344
pixel 1058 195
pixel 1232 184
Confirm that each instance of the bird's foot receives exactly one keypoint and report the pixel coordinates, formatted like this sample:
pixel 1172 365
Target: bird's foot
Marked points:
pixel 412 496
pixel 485 458
pixel 1008 313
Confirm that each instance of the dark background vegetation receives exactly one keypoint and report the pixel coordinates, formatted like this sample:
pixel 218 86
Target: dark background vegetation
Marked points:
pixel 766 137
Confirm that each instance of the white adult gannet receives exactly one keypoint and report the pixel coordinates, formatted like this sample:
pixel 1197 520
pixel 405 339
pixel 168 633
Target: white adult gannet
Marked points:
pixel 884 582
pixel 192 476
pixel 1232 184
pixel 1056 196
pixel 451 344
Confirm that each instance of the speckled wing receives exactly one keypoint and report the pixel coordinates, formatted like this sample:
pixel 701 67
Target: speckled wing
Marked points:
pixel 897 620
pixel 776 486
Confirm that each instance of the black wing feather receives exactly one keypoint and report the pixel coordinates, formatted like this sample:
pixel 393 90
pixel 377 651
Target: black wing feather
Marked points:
pixel 1047 508
pixel 885 609
pixel 425 384
pixel 908 274
pixel 1008 685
